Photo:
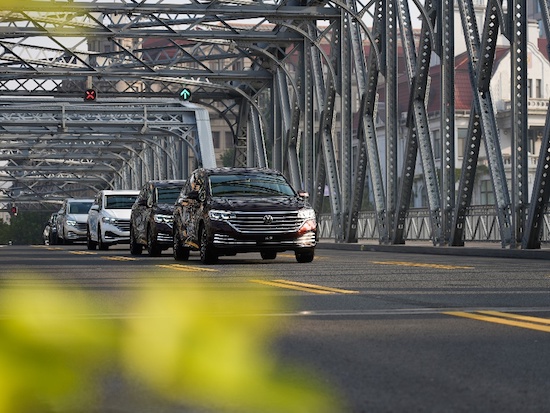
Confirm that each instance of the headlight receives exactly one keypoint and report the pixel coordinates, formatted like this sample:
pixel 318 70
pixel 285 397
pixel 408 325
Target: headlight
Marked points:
pixel 71 222
pixel 163 219
pixel 306 213
pixel 217 215
pixel 108 220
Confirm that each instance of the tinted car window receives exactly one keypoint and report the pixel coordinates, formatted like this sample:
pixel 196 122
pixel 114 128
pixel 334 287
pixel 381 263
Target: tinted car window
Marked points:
pixel 79 207
pixel 249 185
pixel 168 195
pixel 119 201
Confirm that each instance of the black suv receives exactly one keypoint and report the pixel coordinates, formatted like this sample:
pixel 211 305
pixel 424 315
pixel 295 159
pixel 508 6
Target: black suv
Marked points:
pixel 151 217
pixel 225 211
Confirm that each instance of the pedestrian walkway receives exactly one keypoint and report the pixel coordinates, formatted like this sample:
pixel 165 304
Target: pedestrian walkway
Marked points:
pixel 479 249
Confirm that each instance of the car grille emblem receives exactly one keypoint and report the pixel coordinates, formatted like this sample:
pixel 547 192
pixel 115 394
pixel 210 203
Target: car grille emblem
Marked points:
pixel 268 219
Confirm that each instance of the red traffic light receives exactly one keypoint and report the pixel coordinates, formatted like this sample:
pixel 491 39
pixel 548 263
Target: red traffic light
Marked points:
pixel 14 210
pixel 90 94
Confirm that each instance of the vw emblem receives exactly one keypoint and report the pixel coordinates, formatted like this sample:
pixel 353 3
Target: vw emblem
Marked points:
pixel 268 219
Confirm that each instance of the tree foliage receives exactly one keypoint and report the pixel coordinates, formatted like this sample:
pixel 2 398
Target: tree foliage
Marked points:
pixel 25 228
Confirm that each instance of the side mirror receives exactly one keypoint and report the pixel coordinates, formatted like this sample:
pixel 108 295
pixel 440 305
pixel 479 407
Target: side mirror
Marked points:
pixel 303 194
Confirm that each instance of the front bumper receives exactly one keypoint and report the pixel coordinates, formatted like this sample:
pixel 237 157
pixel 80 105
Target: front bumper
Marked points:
pixel 224 237
pixel 165 234
pixel 114 234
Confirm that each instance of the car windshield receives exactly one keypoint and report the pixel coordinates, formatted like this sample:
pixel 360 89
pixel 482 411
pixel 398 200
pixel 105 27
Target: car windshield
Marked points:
pixel 120 201
pixel 79 207
pixel 250 185
pixel 168 194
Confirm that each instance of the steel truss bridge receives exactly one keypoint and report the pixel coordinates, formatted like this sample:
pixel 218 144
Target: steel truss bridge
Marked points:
pixel 288 77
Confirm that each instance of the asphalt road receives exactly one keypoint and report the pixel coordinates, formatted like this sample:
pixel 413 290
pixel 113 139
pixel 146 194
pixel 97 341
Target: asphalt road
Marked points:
pixel 380 331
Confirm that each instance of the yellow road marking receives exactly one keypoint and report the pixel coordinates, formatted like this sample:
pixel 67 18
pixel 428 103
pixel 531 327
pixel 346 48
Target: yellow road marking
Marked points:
pixel 533 323
pixel 310 288
pixel 291 287
pixel 318 287
pixel 120 258
pixel 418 264
pixel 83 253
pixel 188 268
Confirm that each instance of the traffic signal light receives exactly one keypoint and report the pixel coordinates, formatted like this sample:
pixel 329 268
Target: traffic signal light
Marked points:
pixel 185 94
pixel 90 95
pixel 14 210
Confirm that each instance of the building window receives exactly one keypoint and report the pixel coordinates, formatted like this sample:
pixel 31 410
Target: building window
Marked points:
pixel 538 90
pixel 228 140
pixel 529 88
pixel 487 196
pixel 216 139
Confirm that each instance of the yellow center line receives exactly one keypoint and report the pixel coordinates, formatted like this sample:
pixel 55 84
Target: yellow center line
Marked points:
pixel 292 287
pixel 187 268
pixel 504 318
pixel 317 287
pixel 119 258
pixel 531 319
pixel 83 253
pixel 310 288
pixel 418 264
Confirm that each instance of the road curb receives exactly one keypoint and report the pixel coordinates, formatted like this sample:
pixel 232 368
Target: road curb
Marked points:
pixel 493 252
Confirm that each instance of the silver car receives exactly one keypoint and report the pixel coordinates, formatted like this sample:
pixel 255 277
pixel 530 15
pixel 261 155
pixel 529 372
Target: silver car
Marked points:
pixel 72 219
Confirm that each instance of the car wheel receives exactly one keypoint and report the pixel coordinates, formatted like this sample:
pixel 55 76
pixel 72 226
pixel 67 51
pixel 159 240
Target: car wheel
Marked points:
pixel 268 255
pixel 304 256
pixel 100 244
pixel 135 248
pixel 65 240
pixel 89 243
pixel 207 252
pixel 153 248
pixel 180 252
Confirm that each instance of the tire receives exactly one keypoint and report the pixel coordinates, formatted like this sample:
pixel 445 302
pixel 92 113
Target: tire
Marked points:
pixel 89 243
pixel 153 248
pixel 65 240
pixel 135 248
pixel 305 256
pixel 100 244
pixel 207 252
pixel 268 255
pixel 180 252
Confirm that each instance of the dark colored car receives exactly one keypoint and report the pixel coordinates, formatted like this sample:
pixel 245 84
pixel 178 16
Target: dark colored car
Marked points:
pixel 225 211
pixel 50 230
pixel 151 217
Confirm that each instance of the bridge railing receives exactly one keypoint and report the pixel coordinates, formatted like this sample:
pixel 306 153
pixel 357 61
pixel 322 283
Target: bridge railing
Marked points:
pixel 481 225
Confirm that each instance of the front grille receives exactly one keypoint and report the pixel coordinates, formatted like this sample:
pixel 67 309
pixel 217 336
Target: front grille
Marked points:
pixel 80 226
pixel 123 224
pixel 273 222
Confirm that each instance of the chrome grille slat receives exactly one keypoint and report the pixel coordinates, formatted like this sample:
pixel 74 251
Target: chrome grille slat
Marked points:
pixel 123 225
pixel 254 223
pixel 81 226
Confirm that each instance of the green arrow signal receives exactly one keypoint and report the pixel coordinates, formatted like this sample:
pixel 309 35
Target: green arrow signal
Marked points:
pixel 185 94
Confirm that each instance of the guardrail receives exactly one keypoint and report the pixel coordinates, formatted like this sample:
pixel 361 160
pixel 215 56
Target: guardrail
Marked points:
pixel 481 225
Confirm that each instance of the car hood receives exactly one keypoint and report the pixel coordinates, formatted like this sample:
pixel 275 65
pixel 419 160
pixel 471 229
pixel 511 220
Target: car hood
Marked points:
pixel 164 209
pixel 118 213
pixel 80 218
pixel 258 204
